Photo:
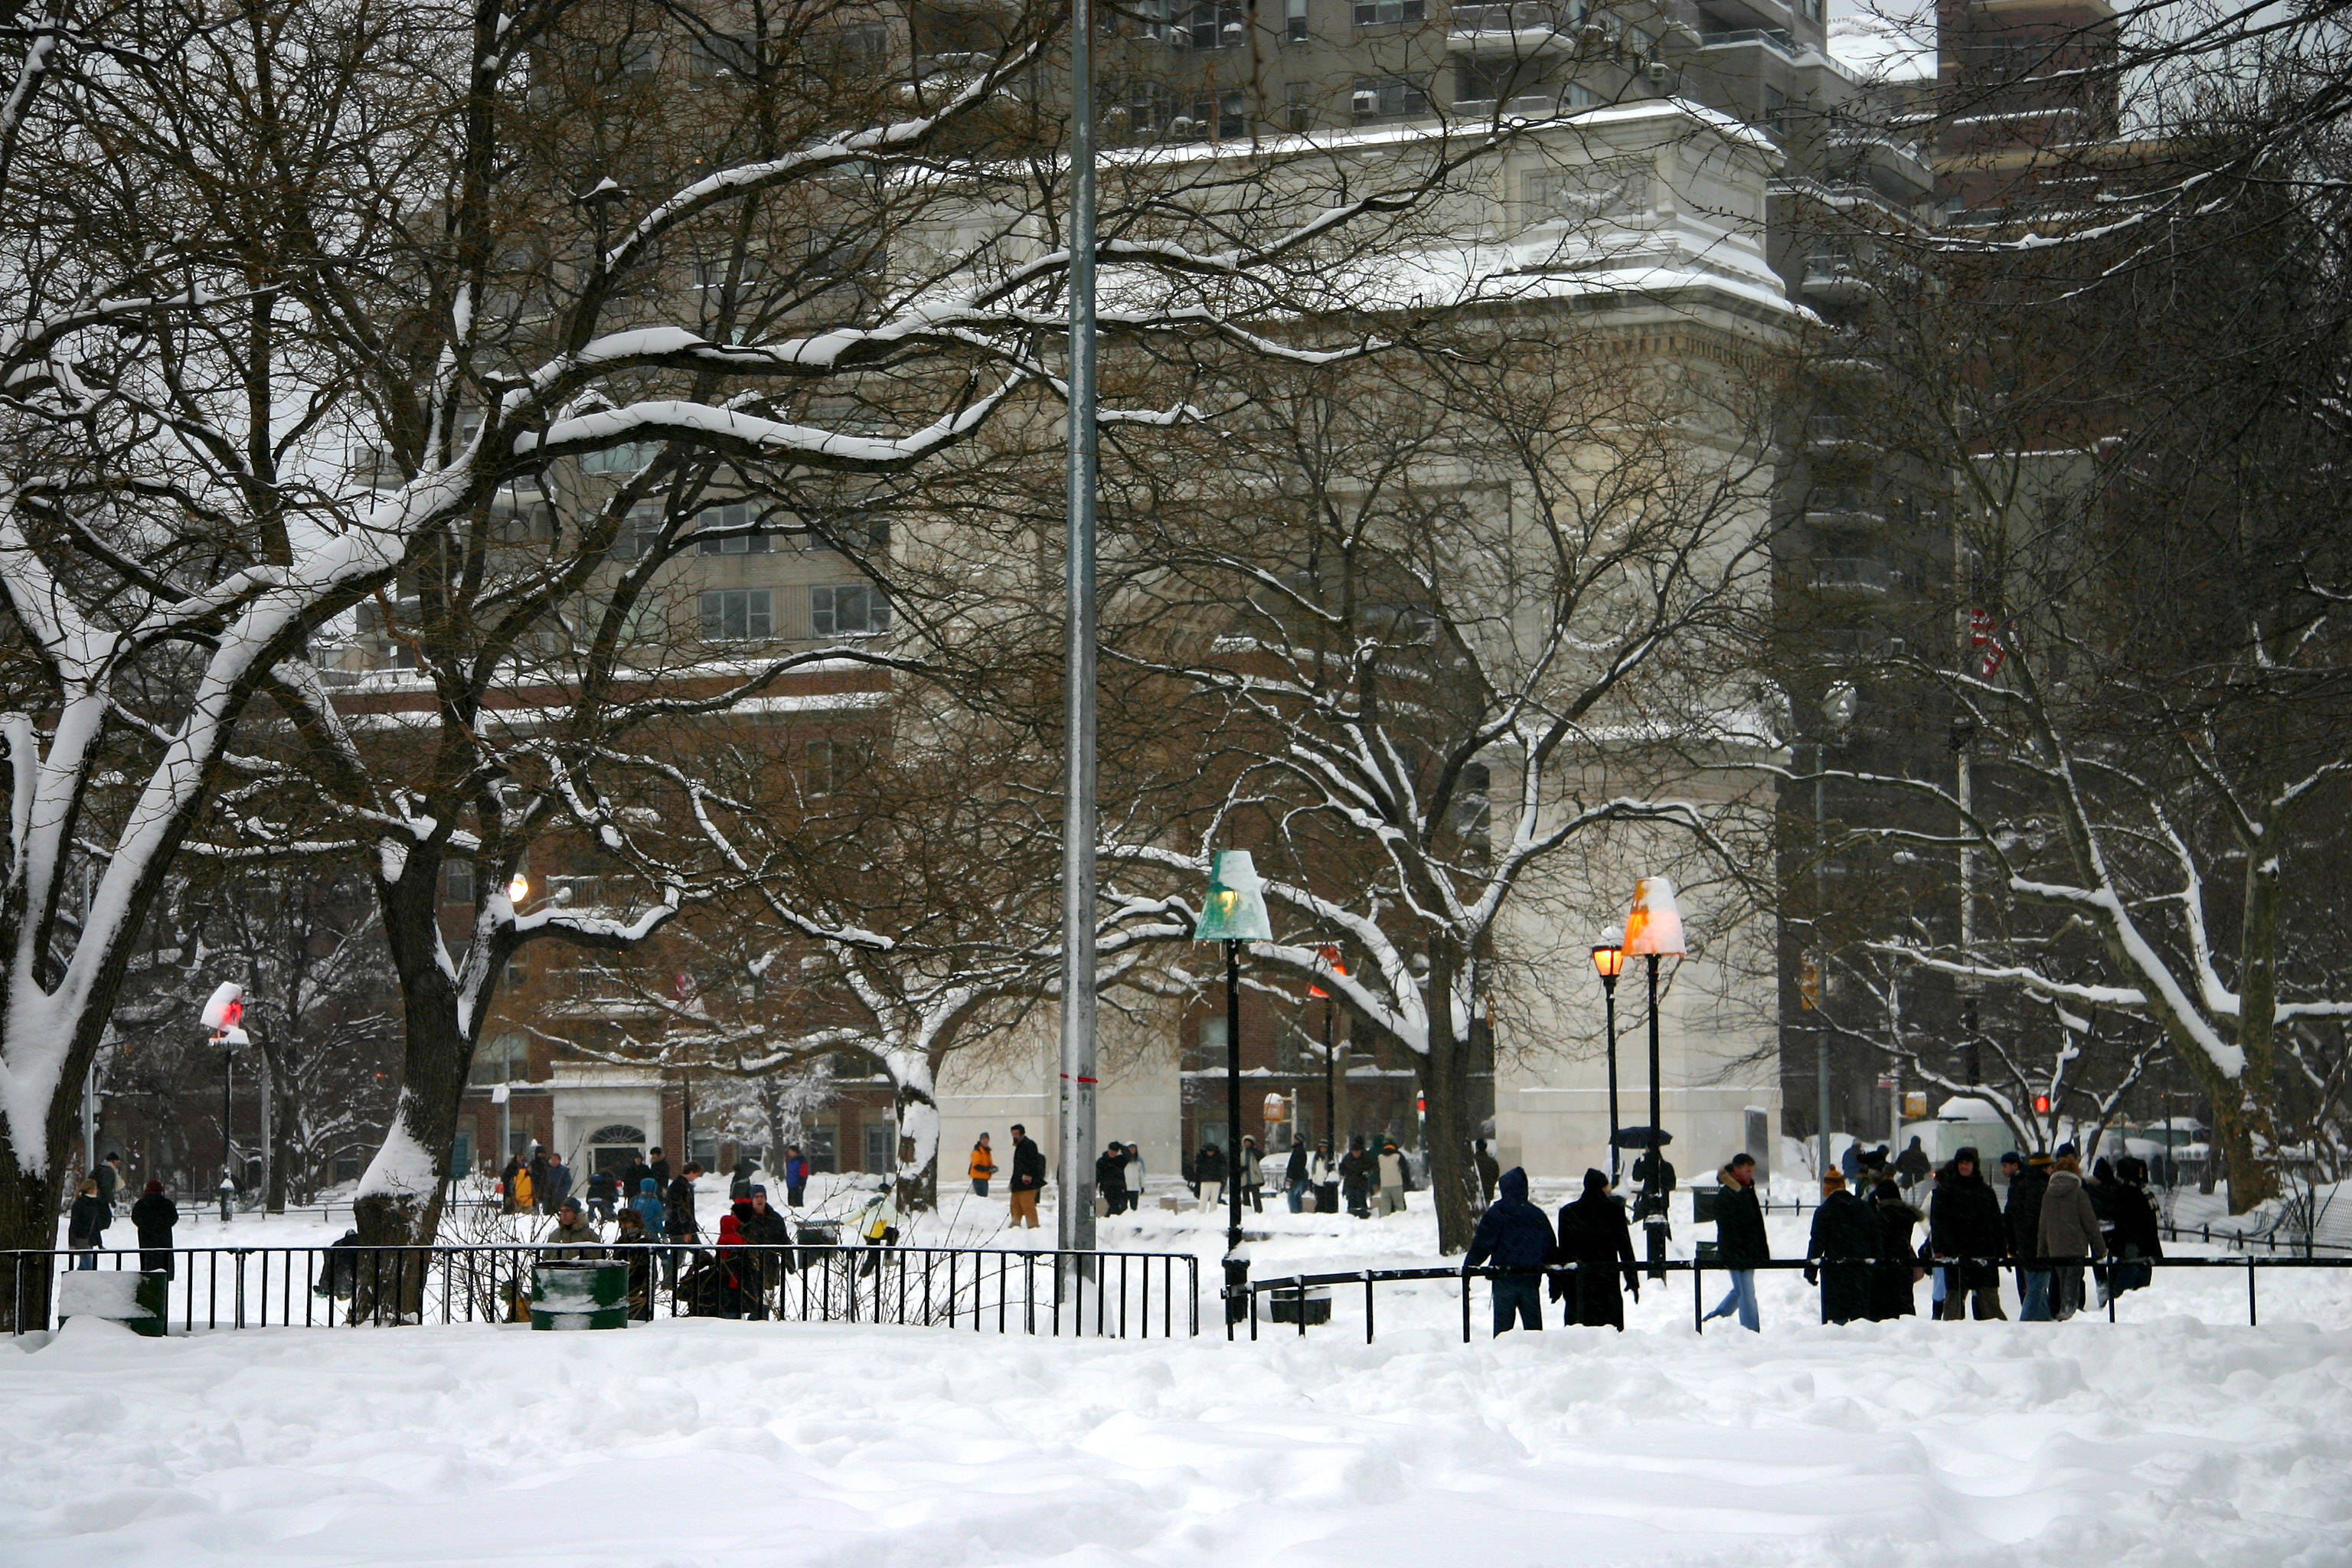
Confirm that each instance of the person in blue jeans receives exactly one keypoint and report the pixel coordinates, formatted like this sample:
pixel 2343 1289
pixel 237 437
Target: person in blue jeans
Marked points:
pixel 1513 1234
pixel 1739 1241
pixel 86 1226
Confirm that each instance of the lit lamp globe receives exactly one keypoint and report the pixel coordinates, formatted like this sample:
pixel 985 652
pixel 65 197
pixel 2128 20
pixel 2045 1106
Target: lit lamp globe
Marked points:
pixel 1653 927
pixel 1235 910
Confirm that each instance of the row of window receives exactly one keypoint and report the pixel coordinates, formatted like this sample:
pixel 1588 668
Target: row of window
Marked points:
pixel 835 610
pixel 734 530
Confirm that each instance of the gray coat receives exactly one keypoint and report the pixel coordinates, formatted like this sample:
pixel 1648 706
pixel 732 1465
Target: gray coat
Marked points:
pixel 2070 1226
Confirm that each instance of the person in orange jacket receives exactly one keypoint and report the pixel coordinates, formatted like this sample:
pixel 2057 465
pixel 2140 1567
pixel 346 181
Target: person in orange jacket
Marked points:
pixel 983 1165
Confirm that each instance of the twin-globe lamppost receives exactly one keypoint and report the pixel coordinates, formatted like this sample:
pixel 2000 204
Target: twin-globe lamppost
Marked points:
pixel 1233 913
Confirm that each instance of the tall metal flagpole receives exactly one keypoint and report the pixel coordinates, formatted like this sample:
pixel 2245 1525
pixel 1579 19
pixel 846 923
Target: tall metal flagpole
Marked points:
pixel 1076 1227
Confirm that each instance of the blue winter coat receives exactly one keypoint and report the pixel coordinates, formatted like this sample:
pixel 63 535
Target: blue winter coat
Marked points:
pixel 648 1204
pixel 1514 1233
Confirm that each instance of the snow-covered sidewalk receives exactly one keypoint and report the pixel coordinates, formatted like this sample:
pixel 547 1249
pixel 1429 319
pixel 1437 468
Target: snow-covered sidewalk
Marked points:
pixel 2171 1442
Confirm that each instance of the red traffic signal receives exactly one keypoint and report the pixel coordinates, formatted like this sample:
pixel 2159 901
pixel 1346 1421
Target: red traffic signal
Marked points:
pixel 2040 1105
pixel 1330 956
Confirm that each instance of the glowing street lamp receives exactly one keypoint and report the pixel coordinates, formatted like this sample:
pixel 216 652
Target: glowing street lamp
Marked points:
pixel 1609 962
pixel 1233 913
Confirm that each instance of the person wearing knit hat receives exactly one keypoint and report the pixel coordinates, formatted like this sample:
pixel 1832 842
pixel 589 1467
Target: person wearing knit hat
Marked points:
pixel 153 1215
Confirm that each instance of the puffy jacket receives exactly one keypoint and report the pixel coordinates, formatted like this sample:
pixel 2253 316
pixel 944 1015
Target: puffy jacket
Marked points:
pixel 983 1162
pixel 1210 1166
pixel 2070 1226
pixel 1739 1238
pixel 87 1221
pixel 155 1215
pixel 1514 1233
pixel 1111 1173
pixel 648 1204
pixel 580 1240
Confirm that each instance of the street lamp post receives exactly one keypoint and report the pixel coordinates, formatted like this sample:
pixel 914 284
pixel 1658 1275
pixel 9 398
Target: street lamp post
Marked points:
pixel 223 1012
pixel 1330 956
pixel 1654 929
pixel 1609 962
pixel 1233 913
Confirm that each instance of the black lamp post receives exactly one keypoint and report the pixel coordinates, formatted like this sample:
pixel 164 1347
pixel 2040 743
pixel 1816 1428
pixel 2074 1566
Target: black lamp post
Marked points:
pixel 1330 956
pixel 1609 962
pixel 1653 929
pixel 1233 914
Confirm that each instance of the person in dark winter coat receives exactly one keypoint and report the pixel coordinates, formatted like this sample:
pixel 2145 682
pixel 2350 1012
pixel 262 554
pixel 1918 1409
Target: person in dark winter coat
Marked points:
pixel 1357 1173
pixel 1593 1235
pixel 2028 1181
pixel 577 1233
pixel 1209 1172
pixel 1514 1234
pixel 1892 1280
pixel 1110 1179
pixel 1912 1166
pixel 86 1226
pixel 1844 1232
pixel 556 1184
pixel 765 1226
pixel 1489 1172
pixel 2137 1234
pixel 1294 1176
pixel 2070 1229
pixel 1028 1179
pixel 1964 1221
pixel 539 1181
pixel 1739 1241
pixel 678 1204
pixel 601 1191
pixel 153 1215
pixel 796 1175
pixel 631 1244
pixel 509 1176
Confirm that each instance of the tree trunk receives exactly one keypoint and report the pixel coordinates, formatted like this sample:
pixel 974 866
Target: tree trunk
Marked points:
pixel 1453 1173
pixel 915 1106
pixel 28 1225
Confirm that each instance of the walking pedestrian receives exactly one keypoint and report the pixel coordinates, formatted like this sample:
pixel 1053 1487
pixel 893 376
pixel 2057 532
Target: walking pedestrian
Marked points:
pixel 1895 1279
pixel 766 1228
pixel 1110 1179
pixel 508 1175
pixel 631 1242
pixel 635 1171
pixel 1594 1237
pixel 1845 1237
pixel 110 1181
pixel 659 1167
pixel 1740 1243
pixel 1358 1176
pixel 2069 1231
pixel 1323 1175
pixel 153 1215
pixel 739 1186
pixel 1135 1173
pixel 1253 1175
pixel 1850 1162
pixel 877 1224
pixel 1294 1176
pixel 647 1205
pixel 1489 1172
pixel 1514 1234
pixel 981 1167
pixel 796 1175
pixel 1964 1223
pixel 86 1226
pixel 539 1181
pixel 1912 1166
pixel 2029 1182
pixel 1209 1169
pixel 558 1182
pixel 1028 1179
pixel 678 1204
pixel 1394 1180
pixel 600 1197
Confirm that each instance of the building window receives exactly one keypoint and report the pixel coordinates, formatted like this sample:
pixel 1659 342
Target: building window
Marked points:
pixel 1388 97
pixel 1297 108
pixel 739 516
pixel 818 761
pixel 639 534
pixel 718 57
pixel 501 1058
pixel 1211 26
pixel 737 614
pixel 456 881
pixel 1294 21
pixel 881 1147
pixel 625 459
pixel 1375 13
pixel 849 610
pixel 1224 119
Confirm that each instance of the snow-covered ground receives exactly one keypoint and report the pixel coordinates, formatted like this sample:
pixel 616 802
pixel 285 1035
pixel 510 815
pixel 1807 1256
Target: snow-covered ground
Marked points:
pixel 2175 1437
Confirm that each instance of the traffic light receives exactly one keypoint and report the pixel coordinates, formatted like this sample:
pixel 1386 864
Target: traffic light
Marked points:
pixel 2040 1105
pixel 1809 984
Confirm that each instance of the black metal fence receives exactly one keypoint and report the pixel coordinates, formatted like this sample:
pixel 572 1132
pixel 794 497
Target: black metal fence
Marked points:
pixel 1117 1295
pixel 1291 1296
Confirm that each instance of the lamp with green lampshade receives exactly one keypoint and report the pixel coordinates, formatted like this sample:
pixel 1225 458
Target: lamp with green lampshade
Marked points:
pixel 1234 912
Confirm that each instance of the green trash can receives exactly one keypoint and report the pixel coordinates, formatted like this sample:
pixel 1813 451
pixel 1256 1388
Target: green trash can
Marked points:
pixel 140 1302
pixel 593 1294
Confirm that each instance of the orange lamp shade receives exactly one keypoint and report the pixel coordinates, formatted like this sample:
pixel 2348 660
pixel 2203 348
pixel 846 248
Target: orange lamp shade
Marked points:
pixel 1609 962
pixel 1653 928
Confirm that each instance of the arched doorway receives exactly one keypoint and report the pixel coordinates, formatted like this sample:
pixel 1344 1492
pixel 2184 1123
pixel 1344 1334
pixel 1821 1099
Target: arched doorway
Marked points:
pixel 611 1147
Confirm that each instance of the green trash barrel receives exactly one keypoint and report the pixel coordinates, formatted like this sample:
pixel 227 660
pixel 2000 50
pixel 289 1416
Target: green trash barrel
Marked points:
pixel 140 1302
pixel 579 1295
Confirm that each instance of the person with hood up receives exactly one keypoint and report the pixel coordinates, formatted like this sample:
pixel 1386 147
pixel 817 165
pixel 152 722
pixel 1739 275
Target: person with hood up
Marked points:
pixel 1110 1179
pixel 1740 1243
pixel 86 1226
pixel 1515 1234
pixel 2136 1234
pixel 1252 1175
pixel 2070 1229
pixel 2028 1181
pixel 1912 1166
pixel 718 1287
pixel 1964 1221
pixel 1845 1233
pixel 153 1215
pixel 1893 1278
pixel 982 1166
pixel 1593 1235
pixel 648 1206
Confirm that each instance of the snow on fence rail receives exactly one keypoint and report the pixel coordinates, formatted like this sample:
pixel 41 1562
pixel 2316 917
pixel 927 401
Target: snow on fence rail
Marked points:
pixel 1290 1296
pixel 1117 1295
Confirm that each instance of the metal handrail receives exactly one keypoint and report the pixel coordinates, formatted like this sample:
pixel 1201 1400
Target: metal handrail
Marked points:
pixel 1129 1294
